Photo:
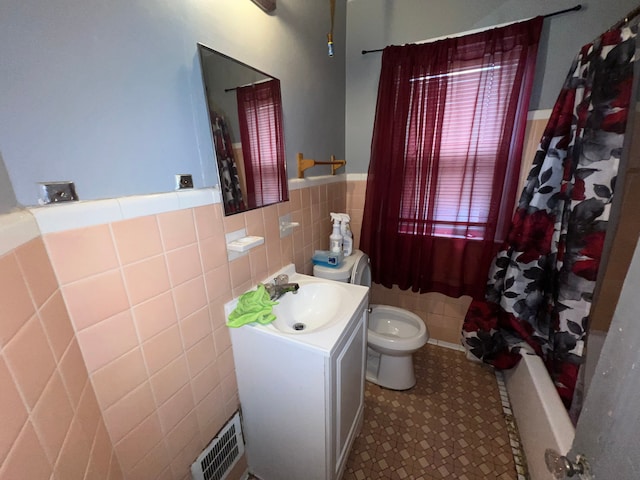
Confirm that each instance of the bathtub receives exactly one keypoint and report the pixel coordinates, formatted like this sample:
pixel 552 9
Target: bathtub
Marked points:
pixel 542 420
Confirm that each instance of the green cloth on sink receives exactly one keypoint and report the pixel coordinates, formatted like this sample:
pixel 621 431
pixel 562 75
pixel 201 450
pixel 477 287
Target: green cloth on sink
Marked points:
pixel 254 306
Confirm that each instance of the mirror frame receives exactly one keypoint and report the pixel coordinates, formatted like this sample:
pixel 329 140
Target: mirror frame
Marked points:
pixel 229 143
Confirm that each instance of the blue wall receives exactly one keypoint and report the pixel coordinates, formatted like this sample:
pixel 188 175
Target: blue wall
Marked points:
pixel 375 24
pixel 109 94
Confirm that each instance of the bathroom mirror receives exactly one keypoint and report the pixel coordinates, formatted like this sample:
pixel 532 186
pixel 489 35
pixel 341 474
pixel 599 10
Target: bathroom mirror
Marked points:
pixel 245 113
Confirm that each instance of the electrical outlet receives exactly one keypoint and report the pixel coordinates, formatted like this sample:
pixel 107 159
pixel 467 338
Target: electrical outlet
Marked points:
pixel 184 180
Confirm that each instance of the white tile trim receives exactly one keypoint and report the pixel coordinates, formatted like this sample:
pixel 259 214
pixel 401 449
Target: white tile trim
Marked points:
pixel 299 183
pixel 17 228
pixel 72 215
pixel 539 114
pixel 198 197
pixel 68 216
pixel 356 177
pixel 143 205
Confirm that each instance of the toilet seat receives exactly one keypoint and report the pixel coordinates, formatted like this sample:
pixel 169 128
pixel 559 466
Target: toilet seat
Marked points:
pixel 396 330
pixel 361 273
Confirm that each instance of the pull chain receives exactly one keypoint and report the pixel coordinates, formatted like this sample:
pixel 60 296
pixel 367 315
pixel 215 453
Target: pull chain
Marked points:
pixel 332 4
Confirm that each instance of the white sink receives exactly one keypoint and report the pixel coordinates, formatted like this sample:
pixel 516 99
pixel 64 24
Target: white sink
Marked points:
pixel 316 316
pixel 315 305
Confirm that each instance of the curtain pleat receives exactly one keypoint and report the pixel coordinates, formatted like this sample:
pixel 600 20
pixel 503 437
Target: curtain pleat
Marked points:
pixel 445 155
pixel 261 132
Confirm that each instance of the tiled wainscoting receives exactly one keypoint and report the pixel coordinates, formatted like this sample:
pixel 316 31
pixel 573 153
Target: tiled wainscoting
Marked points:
pixel 51 422
pixel 115 361
pixel 145 298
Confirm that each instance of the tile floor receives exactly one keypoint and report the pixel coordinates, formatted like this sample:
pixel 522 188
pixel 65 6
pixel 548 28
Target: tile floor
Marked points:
pixel 451 425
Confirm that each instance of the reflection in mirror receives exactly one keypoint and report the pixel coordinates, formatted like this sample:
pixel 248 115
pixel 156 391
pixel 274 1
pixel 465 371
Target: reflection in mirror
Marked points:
pixel 245 111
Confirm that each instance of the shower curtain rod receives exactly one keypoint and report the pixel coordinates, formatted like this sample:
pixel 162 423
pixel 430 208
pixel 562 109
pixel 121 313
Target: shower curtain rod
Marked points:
pixel 553 14
pixel 628 17
pixel 247 85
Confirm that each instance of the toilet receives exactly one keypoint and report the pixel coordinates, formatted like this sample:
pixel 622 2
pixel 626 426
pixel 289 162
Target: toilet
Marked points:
pixel 393 335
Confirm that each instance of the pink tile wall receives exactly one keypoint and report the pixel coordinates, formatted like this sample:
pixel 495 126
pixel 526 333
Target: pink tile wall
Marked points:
pixel 355 207
pixel 52 427
pixel 140 303
pixel 443 315
pixel 311 207
pixel 145 297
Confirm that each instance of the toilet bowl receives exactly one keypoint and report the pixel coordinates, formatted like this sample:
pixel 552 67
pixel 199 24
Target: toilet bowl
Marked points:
pixel 393 334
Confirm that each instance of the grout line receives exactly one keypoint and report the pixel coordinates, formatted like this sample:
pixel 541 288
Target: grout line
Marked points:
pixel 512 428
pixel 437 428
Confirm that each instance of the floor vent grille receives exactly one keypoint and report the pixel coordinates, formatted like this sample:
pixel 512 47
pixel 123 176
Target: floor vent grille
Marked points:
pixel 217 460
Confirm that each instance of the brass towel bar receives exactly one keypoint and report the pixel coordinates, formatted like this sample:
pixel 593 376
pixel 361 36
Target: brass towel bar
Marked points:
pixel 305 163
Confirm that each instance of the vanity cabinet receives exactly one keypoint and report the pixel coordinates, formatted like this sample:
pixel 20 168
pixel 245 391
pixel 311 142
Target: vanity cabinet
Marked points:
pixel 302 404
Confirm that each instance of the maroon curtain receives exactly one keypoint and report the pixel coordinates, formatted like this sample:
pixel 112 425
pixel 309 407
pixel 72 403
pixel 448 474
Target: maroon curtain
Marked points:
pixel 445 157
pixel 261 133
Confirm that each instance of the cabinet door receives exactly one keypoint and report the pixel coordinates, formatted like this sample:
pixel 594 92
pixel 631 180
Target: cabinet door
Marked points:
pixel 349 390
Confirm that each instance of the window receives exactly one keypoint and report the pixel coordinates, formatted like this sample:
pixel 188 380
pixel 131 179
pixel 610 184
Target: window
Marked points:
pixel 260 115
pixel 456 197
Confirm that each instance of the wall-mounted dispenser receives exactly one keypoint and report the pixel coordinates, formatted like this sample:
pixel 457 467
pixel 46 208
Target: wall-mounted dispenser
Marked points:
pixel 56 192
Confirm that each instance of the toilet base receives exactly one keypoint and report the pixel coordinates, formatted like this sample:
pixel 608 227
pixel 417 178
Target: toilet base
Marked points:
pixel 393 372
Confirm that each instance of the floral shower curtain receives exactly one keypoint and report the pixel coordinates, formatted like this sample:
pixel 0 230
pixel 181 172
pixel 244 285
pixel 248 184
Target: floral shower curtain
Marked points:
pixel 541 282
pixel 229 180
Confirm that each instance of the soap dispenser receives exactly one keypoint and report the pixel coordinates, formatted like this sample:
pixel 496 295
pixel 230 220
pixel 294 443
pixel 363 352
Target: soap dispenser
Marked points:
pixel 335 239
pixel 347 236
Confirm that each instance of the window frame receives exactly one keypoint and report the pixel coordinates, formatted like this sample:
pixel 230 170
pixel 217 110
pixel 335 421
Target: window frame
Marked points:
pixel 470 76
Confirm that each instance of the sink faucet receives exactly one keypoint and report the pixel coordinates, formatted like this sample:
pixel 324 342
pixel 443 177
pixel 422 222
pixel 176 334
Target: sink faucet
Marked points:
pixel 280 286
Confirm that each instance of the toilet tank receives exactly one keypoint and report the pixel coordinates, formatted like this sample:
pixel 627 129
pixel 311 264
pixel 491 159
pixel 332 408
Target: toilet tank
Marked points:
pixel 341 273
pixel 353 269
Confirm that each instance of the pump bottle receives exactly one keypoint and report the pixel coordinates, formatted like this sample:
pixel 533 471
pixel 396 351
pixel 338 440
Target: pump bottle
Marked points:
pixel 347 236
pixel 335 239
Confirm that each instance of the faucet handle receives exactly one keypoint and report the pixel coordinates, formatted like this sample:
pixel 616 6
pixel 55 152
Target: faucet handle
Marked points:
pixel 281 279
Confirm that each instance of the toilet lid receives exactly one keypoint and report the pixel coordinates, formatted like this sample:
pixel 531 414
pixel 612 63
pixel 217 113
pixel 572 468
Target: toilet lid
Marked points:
pixel 341 273
pixel 361 274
